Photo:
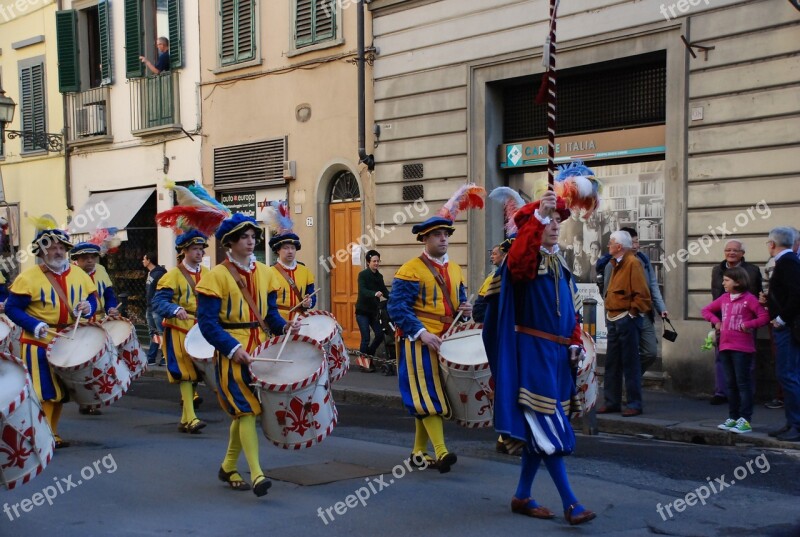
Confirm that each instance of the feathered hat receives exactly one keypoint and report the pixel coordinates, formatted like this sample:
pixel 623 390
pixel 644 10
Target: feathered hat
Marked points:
pixel 235 223
pixel 84 248
pixel 512 202
pixel 468 196
pixel 195 210
pixel 103 241
pixel 576 183
pixel 47 233
pixel 278 221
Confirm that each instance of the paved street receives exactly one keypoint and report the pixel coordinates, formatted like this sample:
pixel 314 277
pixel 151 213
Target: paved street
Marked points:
pixel 152 480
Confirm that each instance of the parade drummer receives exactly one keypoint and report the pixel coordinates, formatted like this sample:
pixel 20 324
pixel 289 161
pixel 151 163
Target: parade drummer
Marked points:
pixel 43 298
pixel 175 300
pixel 86 256
pixel 295 279
pixel 532 335
pixel 427 293
pixel 237 301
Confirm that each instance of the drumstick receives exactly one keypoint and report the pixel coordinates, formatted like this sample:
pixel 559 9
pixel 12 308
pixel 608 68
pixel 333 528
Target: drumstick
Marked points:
pixel 452 326
pixel 280 351
pixel 272 360
pixel 304 298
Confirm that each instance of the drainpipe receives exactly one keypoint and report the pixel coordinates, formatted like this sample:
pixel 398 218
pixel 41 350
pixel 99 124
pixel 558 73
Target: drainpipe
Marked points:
pixel 369 160
pixel 65 113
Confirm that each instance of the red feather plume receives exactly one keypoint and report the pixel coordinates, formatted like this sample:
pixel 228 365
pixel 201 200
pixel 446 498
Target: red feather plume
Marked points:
pixel 204 219
pixel 469 196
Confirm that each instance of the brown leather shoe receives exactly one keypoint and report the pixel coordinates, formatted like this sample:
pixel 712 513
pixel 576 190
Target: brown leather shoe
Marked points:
pixel 521 507
pixel 607 410
pixel 586 516
pixel 631 412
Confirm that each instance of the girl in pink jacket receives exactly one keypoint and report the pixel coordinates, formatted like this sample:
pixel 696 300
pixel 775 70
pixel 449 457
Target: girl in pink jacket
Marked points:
pixel 736 314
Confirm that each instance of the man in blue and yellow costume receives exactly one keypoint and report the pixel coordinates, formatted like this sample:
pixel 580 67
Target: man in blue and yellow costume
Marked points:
pixel 45 298
pixel 295 280
pixel 176 301
pixel 227 298
pixel 532 336
pixel 427 293
pixel 86 256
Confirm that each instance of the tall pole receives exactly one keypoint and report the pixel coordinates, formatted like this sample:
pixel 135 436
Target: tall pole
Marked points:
pixel 550 56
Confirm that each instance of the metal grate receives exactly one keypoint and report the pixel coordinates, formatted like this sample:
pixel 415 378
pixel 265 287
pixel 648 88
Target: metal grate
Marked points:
pixel 345 188
pixel 250 165
pixel 413 192
pixel 611 95
pixel 413 171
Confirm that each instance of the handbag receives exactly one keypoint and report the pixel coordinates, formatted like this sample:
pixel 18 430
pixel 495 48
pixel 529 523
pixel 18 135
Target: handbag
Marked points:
pixel 669 335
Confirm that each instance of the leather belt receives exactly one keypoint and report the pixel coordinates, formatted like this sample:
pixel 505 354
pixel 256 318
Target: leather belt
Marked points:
pixel 544 335
pixel 232 326
pixel 446 319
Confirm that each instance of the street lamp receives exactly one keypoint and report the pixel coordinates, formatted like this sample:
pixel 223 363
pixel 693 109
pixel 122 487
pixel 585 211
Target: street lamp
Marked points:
pixel 42 140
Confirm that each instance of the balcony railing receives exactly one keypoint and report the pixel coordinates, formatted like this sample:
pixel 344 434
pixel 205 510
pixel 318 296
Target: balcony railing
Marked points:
pixel 89 116
pixel 155 103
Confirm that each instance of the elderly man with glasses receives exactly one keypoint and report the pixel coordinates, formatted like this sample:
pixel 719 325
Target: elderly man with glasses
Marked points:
pixel 734 257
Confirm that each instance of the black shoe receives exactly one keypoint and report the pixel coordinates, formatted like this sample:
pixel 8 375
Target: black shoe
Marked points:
pixel 90 411
pixel 782 430
pixel 774 404
pixel 162 363
pixel 197 401
pixel 500 447
pixel 445 462
pixel 718 400
pixel 421 461
pixel 261 485
pixel 791 435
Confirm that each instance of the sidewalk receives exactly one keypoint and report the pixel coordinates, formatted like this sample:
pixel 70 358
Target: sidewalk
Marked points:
pixel 667 416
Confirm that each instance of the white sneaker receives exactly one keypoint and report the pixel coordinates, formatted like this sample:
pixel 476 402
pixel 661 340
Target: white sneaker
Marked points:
pixel 742 426
pixel 728 425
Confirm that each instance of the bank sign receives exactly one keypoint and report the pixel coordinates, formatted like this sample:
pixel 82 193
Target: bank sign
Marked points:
pixel 602 145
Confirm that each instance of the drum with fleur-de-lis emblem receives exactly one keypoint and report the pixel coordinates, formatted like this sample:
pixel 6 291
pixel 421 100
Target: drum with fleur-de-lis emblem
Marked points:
pixel 86 362
pixel 297 407
pixel 26 441
pixel 129 350
pixel 321 326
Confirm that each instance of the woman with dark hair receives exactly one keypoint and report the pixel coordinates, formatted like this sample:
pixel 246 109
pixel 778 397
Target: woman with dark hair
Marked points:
pixel 371 290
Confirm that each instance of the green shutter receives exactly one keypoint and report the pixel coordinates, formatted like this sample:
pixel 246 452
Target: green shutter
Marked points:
pixel 104 22
pixel 134 37
pixel 324 20
pixel 69 74
pixel 315 21
pixel 33 114
pixel 304 23
pixel 175 34
pixel 227 16
pixel 237 31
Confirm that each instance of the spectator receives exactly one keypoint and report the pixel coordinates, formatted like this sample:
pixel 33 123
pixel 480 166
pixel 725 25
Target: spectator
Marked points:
pixel 734 257
pixel 496 256
pixel 627 300
pixel 371 290
pixel 154 329
pixel 162 63
pixel 783 302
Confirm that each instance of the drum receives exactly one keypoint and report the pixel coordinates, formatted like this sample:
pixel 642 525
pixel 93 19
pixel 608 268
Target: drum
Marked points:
pixel 123 334
pixel 296 403
pixel 466 376
pixel 586 378
pixel 86 362
pixel 322 327
pixel 26 442
pixel 202 354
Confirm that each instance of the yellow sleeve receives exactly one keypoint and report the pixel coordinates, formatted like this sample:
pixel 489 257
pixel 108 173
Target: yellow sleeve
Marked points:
pixel 212 283
pixel 407 272
pixel 24 284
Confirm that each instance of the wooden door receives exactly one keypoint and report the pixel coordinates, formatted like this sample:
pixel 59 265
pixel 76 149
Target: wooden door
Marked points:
pixel 345 226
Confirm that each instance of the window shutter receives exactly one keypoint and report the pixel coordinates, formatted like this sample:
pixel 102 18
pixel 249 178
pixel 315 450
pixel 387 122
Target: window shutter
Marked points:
pixel 245 26
pixel 133 39
pixel 227 51
pixel 175 34
pixel 304 23
pixel 104 22
pixel 324 20
pixel 69 74
pixel 33 113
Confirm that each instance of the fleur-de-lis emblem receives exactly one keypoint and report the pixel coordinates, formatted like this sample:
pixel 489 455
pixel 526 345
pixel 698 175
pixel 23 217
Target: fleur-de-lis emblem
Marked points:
pixel 105 381
pixel 480 396
pixel 13 445
pixel 299 417
pixel 335 359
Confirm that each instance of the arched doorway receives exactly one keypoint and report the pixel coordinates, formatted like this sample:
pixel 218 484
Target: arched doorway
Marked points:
pixel 344 217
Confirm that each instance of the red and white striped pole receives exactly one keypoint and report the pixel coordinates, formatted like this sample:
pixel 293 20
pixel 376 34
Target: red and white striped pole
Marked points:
pixel 549 86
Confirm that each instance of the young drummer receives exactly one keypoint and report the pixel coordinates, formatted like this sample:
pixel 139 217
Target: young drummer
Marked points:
pixel 175 300
pixel 228 322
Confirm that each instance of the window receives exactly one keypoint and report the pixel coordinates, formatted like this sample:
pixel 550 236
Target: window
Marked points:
pixel 314 21
pixel 237 37
pixel 145 22
pixel 33 109
pixel 84 47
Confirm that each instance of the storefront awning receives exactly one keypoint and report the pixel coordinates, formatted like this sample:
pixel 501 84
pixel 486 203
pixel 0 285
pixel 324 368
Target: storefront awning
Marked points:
pixel 109 209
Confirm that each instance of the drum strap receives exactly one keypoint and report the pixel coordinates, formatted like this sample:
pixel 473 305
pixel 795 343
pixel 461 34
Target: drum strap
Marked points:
pixel 187 275
pixel 62 296
pixel 544 335
pixel 439 280
pixel 290 281
pixel 246 294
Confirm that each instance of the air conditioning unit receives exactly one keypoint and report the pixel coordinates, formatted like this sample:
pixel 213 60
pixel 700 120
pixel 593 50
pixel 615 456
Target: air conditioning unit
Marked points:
pixel 91 120
pixel 289 170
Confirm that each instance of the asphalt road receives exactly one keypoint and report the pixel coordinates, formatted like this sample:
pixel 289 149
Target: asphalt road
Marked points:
pixel 130 473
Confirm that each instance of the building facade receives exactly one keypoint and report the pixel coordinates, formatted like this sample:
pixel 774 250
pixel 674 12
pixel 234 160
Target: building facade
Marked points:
pixel 685 111
pixel 28 75
pixel 279 92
